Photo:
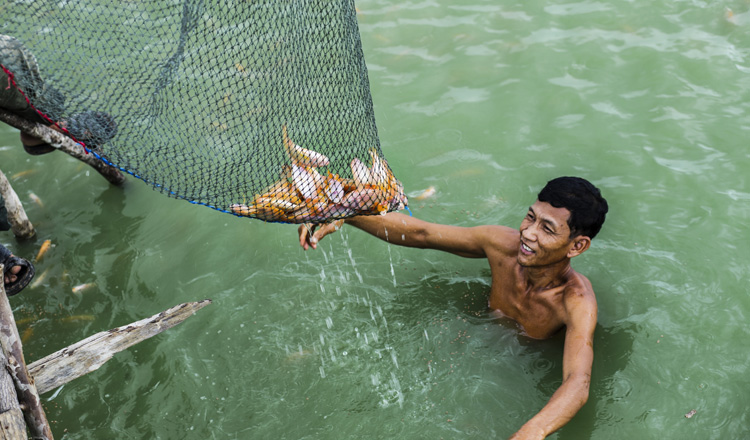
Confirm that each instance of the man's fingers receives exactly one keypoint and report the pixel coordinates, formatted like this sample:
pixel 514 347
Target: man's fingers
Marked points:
pixel 310 234
pixel 307 236
pixel 302 231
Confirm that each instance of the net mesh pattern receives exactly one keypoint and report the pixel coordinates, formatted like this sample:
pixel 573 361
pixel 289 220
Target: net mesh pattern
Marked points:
pixel 256 108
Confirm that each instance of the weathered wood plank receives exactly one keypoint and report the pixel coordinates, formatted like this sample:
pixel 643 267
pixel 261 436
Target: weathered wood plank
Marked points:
pixel 28 398
pixel 19 222
pixel 63 143
pixel 91 353
pixel 12 425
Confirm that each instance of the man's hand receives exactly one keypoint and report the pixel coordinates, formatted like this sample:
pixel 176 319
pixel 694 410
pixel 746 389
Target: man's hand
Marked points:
pixel 310 234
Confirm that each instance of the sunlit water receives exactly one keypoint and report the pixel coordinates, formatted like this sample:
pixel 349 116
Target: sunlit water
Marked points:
pixel 485 102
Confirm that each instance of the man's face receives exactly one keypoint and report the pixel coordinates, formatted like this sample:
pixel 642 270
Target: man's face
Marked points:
pixel 545 235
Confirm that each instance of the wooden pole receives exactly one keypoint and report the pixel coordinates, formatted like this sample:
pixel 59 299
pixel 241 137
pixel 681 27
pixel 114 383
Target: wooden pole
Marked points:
pixel 12 426
pixel 19 222
pixel 28 398
pixel 63 143
pixel 91 353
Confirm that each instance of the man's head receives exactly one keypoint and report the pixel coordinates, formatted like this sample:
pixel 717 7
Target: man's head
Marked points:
pixel 584 201
pixel 568 213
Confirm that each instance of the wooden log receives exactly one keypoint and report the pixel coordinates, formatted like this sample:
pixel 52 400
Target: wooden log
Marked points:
pixel 12 425
pixel 28 398
pixel 19 222
pixel 63 143
pixel 91 353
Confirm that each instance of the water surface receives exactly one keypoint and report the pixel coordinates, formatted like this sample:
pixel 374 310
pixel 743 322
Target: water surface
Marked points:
pixel 485 102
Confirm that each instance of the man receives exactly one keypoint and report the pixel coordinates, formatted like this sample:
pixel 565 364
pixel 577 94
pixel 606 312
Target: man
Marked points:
pixel 532 280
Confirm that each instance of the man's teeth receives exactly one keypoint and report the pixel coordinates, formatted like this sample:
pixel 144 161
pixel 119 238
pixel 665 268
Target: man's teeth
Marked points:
pixel 526 248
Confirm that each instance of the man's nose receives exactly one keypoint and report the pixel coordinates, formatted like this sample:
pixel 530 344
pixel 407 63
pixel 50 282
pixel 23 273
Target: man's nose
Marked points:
pixel 529 232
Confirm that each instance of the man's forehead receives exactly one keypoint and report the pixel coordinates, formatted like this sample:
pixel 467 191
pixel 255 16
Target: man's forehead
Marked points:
pixel 545 211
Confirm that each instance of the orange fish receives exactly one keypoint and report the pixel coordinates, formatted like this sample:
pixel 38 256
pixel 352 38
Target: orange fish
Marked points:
pixel 43 250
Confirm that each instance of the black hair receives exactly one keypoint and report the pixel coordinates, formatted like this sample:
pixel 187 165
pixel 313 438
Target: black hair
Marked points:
pixel 584 201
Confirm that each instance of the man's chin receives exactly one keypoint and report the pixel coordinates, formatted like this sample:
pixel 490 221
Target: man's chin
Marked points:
pixel 524 260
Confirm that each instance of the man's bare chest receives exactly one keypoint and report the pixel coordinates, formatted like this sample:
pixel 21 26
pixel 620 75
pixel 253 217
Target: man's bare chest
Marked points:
pixel 537 312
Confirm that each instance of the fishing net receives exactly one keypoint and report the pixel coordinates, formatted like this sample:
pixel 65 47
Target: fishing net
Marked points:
pixel 256 108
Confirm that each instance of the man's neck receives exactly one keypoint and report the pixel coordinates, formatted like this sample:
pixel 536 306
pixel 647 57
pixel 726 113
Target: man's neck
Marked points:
pixel 546 277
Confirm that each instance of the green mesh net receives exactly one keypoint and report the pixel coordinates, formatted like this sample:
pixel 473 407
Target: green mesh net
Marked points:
pixel 254 108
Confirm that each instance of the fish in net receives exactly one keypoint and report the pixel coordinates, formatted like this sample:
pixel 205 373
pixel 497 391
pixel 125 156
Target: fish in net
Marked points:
pixel 259 108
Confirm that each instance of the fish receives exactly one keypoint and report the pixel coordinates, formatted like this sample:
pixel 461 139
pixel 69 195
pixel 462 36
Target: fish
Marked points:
pixel 376 187
pixel 284 205
pixel 282 189
pixel 361 173
pixel 242 209
pixel 24 321
pixel 35 198
pixel 22 174
pixel 303 194
pixel 268 213
pixel 429 192
pixel 27 334
pixel 74 318
pixel 303 157
pixel 307 181
pixel 363 199
pixel 378 171
pixel 334 188
pixel 43 249
pixel 39 279
pixel 82 287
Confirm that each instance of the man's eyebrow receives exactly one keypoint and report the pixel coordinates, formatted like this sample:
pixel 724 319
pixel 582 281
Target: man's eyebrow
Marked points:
pixel 550 223
pixel 545 220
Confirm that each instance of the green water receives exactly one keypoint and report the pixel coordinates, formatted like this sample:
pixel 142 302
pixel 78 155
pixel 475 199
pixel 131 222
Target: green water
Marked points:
pixel 485 102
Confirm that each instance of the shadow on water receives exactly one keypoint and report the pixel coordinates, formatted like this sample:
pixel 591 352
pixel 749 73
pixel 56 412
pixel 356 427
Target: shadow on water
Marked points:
pixel 111 254
pixel 105 255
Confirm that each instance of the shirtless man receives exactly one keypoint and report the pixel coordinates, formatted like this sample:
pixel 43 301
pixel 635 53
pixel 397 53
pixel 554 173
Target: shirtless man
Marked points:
pixel 532 280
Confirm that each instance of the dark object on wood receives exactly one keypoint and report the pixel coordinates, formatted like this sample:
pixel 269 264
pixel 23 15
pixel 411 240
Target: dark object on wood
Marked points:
pixel 63 143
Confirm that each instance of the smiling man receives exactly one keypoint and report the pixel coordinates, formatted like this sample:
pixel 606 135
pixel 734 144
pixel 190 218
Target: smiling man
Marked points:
pixel 532 280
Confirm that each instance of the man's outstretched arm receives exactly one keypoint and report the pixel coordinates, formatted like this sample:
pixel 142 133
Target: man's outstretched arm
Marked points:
pixel 408 231
pixel 578 357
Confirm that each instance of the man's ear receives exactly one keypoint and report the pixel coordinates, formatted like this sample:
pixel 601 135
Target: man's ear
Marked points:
pixel 579 246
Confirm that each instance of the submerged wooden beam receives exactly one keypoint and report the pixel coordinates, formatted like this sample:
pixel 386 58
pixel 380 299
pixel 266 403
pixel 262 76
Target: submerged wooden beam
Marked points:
pixel 91 353
pixel 28 397
pixel 19 222
pixel 63 143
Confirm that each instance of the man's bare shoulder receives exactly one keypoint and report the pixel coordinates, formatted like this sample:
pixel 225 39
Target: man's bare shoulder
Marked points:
pixel 500 239
pixel 579 299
